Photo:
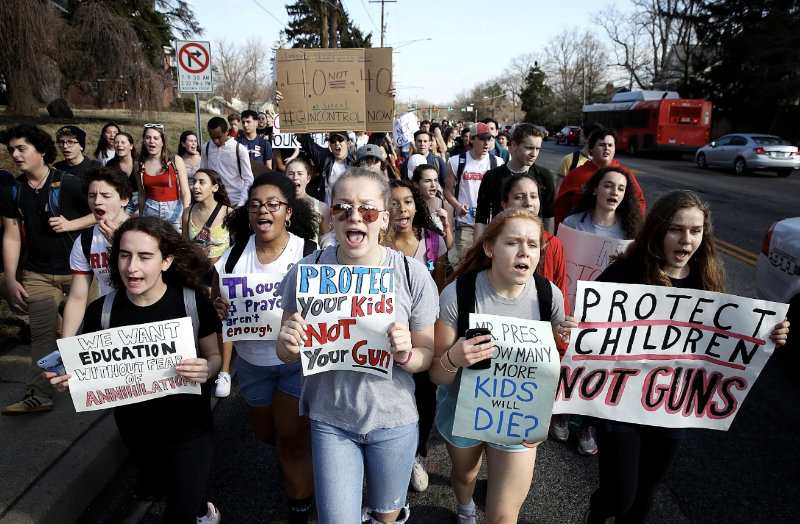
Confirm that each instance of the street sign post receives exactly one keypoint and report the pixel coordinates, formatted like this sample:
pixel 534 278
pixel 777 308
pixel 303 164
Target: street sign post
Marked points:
pixel 194 72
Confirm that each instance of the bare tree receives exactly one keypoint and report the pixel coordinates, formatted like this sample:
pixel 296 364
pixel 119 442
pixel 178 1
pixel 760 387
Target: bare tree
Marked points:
pixel 242 71
pixel 514 77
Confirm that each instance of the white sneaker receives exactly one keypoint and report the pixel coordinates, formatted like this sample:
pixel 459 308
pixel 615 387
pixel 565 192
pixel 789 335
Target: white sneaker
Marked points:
pixel 472 518
pixel 223 385
pixel 586 442
pixel 419 477
pixel 213 516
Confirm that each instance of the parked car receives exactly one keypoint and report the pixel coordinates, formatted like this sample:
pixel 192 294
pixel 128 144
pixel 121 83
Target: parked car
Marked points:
pixel 569 135
pixel 743 152
pixel 778 269
pixel 545 132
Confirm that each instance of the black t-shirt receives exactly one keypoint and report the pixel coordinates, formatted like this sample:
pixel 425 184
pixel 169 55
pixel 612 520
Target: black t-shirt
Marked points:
pixel 493 184
pixel 77 170
pixel 48 251
pixel 175 416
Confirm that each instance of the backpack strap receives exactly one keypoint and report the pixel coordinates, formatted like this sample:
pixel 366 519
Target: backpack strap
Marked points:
pixel 576 155
pixel 86 243
pixel 462 162
pixel 235 254
pixel 190 305
pixel 105 314
pixel 544 292
pixel 465 287
pixel 54 192
pixel 238 163
pixel 492 161
pixel 408 276
pixel 319 254
pixel 309 246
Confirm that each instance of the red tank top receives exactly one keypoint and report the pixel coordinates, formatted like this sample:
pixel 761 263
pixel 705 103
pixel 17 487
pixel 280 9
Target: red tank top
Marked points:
pixel 162 187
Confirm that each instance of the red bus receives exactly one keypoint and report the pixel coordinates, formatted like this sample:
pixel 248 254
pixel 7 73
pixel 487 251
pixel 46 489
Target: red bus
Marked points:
pixel 654 121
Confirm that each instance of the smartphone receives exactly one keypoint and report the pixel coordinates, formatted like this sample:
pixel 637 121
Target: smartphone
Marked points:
pixel 52 363
pixel 476 332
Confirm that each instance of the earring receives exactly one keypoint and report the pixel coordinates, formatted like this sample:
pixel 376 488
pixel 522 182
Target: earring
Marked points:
pixel 249 225
pixel 490 255
pixel 288 222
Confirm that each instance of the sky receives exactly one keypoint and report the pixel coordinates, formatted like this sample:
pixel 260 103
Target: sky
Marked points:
pixel 441 47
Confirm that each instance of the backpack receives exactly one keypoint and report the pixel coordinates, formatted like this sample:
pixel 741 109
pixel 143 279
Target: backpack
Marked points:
pixel 462 162
pixel 86 242
pixel 465 287
pixel 238 163
pixel 53 192
pixel 189 304
pixel 309 246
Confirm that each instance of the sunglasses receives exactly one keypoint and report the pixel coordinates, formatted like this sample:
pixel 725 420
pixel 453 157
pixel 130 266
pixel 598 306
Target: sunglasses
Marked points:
pixel 336 138
pixel 154 126
pixel 342 212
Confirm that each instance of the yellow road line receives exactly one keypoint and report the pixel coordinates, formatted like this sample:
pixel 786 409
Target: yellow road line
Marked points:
pixel 636 171
pixel 736 252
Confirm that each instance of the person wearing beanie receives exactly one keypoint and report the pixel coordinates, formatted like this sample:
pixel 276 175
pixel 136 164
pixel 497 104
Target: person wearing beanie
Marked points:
pixel 71 141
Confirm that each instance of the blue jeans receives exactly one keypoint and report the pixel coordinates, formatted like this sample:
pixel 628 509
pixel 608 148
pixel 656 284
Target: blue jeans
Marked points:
pixel 169 211
pixel 340 460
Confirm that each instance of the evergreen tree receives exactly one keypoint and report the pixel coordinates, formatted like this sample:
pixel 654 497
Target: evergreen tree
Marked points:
pixel 307 23
pixel 536 96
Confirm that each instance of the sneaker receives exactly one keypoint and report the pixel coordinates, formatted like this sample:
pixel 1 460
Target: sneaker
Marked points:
pixel 472 518
pixel 212 516
pixel 30 403
pixel 419 477
pixel 586 442
pixel 559 427
pixel 223 385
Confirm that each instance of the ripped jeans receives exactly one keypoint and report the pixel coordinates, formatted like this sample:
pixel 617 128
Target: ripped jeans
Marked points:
pixel 341 458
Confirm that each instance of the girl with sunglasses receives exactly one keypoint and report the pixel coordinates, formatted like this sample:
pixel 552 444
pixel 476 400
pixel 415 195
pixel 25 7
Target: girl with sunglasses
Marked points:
pixel 269 231
pixel 163 184
pixel 364 425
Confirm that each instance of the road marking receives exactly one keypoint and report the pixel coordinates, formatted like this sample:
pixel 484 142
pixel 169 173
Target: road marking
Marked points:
pixel 736 252
pixel 636 171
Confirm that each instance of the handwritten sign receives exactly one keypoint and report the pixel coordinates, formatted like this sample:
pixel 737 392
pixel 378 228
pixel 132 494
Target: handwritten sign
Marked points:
pixel 333 89
pixel 404 129
pixel 348 311
pixel 255 309
pixel 664 356
pixel 128 364
pixel 510 402
pixel 586 255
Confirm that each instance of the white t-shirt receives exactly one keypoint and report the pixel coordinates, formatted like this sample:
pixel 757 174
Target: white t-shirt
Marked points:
pixel 98 260
pixel 471 182
pixel 258 352
pixel 585 222
pixel 337 170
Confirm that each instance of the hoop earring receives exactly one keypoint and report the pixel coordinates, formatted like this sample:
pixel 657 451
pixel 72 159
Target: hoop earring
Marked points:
pixel 249 225
pixel 288 222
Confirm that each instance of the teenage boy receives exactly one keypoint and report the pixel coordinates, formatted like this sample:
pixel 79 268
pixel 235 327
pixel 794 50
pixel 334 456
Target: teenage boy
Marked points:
pixel 464 175
pixel 108 192
pixel 422 143
pixel 51 208
pixel 229 158
pixel 71 140
pixel 233 125
pixel 527 140
pixel 331 162
pixel 259 147
pixel 497 149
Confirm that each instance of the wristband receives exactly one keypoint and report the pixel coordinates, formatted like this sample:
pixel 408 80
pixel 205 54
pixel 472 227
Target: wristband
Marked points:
pixel 447 354
pixel 406 361
pixel 441 363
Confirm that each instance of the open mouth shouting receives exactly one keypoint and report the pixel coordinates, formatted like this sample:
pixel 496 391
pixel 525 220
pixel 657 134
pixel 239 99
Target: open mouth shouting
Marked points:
pixel 403 222
pixel 99 213
pixel 355 237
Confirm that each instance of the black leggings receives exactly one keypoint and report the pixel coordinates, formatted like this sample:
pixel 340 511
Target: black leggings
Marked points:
pixel 425 396
pixel 632 465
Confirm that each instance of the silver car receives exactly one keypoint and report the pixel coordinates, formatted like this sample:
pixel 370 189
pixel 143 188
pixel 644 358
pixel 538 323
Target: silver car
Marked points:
pixel 743 152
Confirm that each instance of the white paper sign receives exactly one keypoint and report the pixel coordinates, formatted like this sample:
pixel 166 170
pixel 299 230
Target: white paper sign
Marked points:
pixel 289 140
pixel 128 364
pixel 404 128
pixel 664 356
pixel 254 311
pixel 348 311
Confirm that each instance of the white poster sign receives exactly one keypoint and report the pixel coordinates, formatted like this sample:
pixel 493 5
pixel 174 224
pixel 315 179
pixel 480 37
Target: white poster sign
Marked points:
pixel 254 311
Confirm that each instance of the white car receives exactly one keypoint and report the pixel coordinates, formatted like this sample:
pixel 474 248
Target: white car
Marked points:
pixel 778 268
pixel 744 152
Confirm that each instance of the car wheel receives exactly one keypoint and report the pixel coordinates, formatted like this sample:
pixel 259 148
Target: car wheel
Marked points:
pixel 783 172
pixel 701 161
pixel 739 167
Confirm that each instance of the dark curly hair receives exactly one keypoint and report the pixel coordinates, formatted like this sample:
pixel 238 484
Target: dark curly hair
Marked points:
pixel 303 216
pixel 221 195
pixel 422 217
pixel 112 176
pixel 188 264
pixel 102 143
pixel 628 209
pixel 36 136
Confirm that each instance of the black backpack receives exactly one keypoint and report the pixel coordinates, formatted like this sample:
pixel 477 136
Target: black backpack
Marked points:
pixel 462 162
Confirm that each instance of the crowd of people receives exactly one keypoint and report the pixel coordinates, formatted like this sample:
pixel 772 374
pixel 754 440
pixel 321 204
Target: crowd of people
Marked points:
pixel 463 214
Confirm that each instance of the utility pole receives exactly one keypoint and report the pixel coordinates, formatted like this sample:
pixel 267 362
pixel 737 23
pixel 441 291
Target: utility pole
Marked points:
pixel 324 36
pixel 383 24
pixel 334 23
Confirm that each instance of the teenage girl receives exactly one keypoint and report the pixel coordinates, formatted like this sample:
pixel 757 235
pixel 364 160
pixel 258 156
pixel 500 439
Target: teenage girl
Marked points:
pixel 607 206
pixel 674 248
pixel 210 199
pixel 105 144
pixel 426 179
pixel 149 266
pixel 363 425
pixel 503 263
pixel 188 151
pixel 271 228
pixel 125 160
pixel 299 172
pixel 163 186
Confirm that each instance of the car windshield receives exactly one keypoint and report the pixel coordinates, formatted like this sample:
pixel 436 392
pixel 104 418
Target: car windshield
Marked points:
pixel 771 141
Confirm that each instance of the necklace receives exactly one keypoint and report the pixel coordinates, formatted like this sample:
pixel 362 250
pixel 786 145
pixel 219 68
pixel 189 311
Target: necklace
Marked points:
pixel 38 188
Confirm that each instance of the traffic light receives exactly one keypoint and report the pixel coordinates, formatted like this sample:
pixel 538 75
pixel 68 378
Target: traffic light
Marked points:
pixel 463 109
pixel 450 108
pixel 435 108
pixel 424 108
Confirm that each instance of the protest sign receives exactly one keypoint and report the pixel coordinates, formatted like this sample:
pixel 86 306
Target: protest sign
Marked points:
pixel 128 364
pixel 254 311
pixel 348 311
pixel 664 356
pixel 335 89
pixel 510 403
pixel 404 128
pixel 290 140
pixel 586 255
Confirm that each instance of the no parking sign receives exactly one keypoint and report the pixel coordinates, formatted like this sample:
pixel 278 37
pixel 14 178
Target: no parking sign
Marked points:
pixel 194 67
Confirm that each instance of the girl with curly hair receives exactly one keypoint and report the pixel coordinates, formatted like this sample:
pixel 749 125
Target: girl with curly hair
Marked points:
pixel 607 206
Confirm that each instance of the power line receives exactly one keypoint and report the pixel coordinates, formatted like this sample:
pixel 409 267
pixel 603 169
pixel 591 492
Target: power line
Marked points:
pixel 369 15
pixel 270 14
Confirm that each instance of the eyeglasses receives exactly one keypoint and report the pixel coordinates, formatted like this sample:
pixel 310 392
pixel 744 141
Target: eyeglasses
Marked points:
pixel 336 138
pixel 154 126
pixel 67 143
pixel 342 212
pixel 254 206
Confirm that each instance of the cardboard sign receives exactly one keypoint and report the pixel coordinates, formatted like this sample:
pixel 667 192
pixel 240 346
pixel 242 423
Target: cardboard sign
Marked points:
pixel 348 311
pixel 404 129
pixel 254 311
pixel 586 255
pixel 335 89
pixel 664 356
pixel 128 364
pixel 511 402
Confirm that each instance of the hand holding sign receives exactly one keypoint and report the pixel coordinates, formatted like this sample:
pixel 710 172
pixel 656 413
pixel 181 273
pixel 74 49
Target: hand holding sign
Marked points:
pixel 291 338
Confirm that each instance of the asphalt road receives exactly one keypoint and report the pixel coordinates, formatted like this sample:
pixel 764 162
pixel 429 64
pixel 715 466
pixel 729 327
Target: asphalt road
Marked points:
pixel 750 473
